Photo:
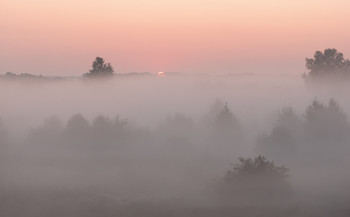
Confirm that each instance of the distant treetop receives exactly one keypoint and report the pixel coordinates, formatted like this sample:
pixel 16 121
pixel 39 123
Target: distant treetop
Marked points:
pixel 258 167
pixel 100 69
pixel 329 64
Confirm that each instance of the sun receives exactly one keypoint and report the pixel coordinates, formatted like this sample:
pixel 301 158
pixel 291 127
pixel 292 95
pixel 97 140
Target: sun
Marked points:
pixel 161 74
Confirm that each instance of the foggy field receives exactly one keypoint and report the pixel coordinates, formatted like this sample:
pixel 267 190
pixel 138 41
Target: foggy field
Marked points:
pixel 174 108
pixel 164 146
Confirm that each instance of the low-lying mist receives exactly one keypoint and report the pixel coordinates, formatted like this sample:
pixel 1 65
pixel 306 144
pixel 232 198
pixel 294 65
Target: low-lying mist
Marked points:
pixel 171 146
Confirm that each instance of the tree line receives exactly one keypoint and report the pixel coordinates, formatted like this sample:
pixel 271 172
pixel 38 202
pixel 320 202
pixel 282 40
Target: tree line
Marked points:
pixel 329 65
pixel 320 133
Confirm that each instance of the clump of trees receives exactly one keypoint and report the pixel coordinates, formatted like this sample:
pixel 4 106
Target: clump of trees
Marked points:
pixel 329 64
pixel 255 180
pixel 26 76
pixel 225 123
pixel 322 131
pixel 250 170
pixel 326 132
pixel 78 131
pixel 225 119
pixel 326 120
pixel 103 131
pixel 100 69
pixel 320 121
pixel 226 130
pixel 281 142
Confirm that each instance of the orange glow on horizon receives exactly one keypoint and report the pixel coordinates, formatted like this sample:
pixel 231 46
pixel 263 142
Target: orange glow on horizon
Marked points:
pixel 161 74
pixel 61 37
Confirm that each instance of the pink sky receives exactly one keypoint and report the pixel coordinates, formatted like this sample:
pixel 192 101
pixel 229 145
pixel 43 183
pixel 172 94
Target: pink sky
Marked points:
pixel 220 36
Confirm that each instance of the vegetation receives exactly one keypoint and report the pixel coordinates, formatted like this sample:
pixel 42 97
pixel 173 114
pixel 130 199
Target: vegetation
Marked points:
pixel 112 151
pixel 226 119
pixel 329 64
pixel 255 181
pixel 100 69
pixel 255 170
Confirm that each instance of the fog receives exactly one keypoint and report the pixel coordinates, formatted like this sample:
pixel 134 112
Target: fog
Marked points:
pixel 165 146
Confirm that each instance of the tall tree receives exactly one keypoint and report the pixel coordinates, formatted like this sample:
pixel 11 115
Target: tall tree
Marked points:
pixel 330 63
pixel 100 69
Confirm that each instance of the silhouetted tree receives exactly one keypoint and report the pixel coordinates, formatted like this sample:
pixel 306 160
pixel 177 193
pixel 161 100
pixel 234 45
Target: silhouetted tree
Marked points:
pixel 10 75
pixel 226 117
pixel 326 134
pixel 282 141
pixel 255 180
pixel 226 121
pixel 329 64
pixel 288 118
pixel 326 120
pixel 100 69
pixel 227 129
pixel 78 130
pixel 255 170
pixel 108 131
pixel 78 123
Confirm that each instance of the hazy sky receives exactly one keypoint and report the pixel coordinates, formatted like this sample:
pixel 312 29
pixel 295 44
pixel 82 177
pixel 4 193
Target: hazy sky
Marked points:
pixel 62 37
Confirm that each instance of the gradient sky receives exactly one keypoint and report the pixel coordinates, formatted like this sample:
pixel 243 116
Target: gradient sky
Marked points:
pixel 62 37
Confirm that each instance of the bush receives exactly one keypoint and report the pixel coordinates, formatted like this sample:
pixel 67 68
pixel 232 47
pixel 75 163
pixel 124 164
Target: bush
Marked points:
pixel 250 170
pixel 255 180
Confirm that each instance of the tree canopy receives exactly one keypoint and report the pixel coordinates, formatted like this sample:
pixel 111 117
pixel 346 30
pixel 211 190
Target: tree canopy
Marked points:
pixel 253 180
pixel 254 169
pixel 100 69
pixel 225 119
pixel 329 63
